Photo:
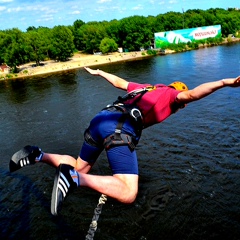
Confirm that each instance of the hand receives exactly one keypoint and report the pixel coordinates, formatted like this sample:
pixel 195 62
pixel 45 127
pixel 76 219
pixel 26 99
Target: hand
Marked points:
pixel 232 82
pixel 237 82
pixel 91 71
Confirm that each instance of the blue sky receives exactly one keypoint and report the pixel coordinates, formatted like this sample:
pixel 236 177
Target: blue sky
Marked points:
pixel 49 13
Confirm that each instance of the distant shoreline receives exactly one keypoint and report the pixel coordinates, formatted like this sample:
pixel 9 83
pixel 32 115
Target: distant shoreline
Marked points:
pixel 81 60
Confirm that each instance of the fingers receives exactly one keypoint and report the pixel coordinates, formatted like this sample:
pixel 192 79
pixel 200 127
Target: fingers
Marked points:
pixel 236 82
pixel 89 70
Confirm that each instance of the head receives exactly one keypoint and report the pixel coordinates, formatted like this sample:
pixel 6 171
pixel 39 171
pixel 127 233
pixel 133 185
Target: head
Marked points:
pixel 179 86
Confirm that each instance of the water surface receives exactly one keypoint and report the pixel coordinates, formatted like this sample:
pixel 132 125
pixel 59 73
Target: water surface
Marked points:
pixel 189 165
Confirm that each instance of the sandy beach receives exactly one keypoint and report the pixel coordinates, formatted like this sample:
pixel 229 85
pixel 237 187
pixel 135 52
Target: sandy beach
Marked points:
pixel 79 60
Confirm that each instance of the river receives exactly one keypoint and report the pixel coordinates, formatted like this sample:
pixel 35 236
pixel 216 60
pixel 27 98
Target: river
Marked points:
pixel 189 165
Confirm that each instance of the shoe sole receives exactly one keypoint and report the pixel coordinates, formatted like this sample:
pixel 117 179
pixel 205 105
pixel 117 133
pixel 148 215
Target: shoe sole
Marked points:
pixel 62 184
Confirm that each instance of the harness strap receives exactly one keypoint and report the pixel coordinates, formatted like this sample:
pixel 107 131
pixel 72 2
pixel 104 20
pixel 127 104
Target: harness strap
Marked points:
pixel 89 139
pixel 118 138
pixel 128 111
pixel 134 93
pixel 122 139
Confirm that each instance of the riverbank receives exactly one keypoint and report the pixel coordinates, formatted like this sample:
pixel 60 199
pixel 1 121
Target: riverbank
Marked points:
pixel 80 60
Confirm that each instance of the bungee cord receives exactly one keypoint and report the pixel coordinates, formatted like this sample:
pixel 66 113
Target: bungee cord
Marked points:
pixel 97 212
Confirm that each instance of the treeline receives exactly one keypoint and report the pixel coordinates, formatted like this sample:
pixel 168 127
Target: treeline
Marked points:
pixel 132 33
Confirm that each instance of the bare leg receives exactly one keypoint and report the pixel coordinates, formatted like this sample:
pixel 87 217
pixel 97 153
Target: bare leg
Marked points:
pixel 122 187
pixel 56 159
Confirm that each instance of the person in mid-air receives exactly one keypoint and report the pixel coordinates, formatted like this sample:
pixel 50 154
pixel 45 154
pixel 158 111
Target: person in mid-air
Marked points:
pixel 117 129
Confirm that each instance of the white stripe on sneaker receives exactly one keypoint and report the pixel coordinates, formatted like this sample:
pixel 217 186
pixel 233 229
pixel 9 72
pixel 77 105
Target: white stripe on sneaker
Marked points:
pixel 24 162
pixel 63 184
pixel 21 163
pixel 65 180
pixel 62 190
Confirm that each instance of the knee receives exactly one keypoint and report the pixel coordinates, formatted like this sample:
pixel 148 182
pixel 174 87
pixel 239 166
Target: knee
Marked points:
pixel 128 191
pixel 129 197
pixel 82 166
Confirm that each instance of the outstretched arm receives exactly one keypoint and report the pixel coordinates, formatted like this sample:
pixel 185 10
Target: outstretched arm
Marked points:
pixel 206 89
pixel 114 80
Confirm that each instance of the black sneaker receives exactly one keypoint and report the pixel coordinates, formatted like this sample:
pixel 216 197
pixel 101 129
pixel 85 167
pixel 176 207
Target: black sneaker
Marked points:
pixel 24 157
pixel 63 184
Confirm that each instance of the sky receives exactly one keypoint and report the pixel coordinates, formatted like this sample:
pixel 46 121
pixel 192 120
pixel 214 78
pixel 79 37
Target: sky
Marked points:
pixel 22 14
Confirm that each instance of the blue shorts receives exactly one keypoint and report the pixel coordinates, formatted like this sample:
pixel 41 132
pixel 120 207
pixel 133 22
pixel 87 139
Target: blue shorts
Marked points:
pixel 121 159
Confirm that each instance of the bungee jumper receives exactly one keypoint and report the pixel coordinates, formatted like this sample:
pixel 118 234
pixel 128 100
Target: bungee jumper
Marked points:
pixel 117 129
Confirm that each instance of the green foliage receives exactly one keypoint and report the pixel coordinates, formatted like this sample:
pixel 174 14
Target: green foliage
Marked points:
pixel 62 46
pixel 151 52
pixel 90 36
pixel 14 48
pixel 108 45
pixel 77 40
pixel 9 76
pixel 194 44
pixel 131 33
pixel 135 33
pixel 38 44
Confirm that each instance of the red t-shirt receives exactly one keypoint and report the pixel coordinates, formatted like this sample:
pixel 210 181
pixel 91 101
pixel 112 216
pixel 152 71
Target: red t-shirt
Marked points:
pixel 155 105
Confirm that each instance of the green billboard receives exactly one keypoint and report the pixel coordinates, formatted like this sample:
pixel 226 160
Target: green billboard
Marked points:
pixel 162 39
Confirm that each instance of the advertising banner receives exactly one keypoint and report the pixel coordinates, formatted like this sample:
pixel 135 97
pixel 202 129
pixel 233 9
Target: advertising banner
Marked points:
pixel 186 35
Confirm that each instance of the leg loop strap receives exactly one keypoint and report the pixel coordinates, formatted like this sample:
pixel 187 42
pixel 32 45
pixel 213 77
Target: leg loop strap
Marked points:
pixel 119 139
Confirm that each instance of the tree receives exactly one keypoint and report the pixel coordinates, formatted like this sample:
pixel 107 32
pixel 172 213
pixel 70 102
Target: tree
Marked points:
pixel 91 35
pixel 77 39
pixel 135 33
pixel 62 43
pixel 113 30
pixel 194 20
pixel 108 45
pixel 4 41
pixel 16 50
pixel 38 44
pixel 31 28
pixel 173 21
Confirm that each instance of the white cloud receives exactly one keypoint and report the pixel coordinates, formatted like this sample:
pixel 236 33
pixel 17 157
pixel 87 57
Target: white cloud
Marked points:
pixel 100 9
pixel 45 19
pixel 103 1
pixel 17 9
pixel 139 7
pixel 75 12
pixel 172 1
pixel 2 8
pixel 5 1
pixel 37 8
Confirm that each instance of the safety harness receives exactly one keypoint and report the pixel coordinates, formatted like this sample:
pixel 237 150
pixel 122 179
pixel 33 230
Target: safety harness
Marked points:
pixel 129 111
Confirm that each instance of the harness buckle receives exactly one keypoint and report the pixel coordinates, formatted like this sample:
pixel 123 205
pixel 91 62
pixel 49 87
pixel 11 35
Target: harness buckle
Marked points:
pixel 136 114
pixel 118 131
